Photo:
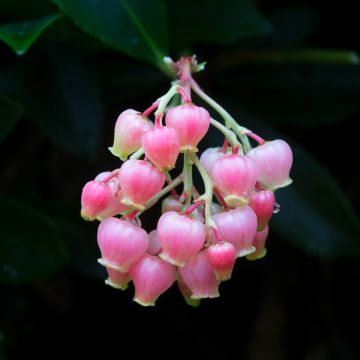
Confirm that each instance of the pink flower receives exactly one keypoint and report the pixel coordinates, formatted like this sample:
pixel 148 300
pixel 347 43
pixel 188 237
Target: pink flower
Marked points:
pixel 162 147
pixel 273 163
pixel 139 181
pixel 238 227
pixel 235 177
pixel 121 243
pixel 262 202
pixel 222 256
pixel 129 129
pixel 191 123
pixel 199 277
pixel 151 277
pixel 181 237
pixel 115 207
pixel 95 198
pixel 209 156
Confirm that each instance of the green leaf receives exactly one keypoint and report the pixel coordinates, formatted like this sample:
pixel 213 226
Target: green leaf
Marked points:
pixel 31 247
pixel 80 238
pixel 21 35
pixel 292 25
pixel 315 214
pixel 214 21
pixel 135 27
pixel 293 95
pixel 10 113
pixel 68 110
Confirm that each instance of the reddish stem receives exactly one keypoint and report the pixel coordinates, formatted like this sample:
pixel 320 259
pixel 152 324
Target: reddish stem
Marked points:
pixel 235 150
pixel 220 198
pixel 150 109
pixel 111 176
pixel 216 233
pixel 225 146
pixel 184 95
pixel 158 120
pixel 191 208
pixel 132 215
pixel 257 138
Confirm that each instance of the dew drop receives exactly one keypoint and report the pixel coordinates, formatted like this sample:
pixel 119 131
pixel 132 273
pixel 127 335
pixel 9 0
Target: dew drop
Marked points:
pixel 277 208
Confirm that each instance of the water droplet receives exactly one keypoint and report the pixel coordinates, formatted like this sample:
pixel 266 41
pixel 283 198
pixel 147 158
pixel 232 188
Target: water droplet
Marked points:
pixel 277 208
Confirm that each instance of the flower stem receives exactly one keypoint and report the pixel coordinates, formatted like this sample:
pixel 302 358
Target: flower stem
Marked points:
pixel 229 134
pixel 177 181
pixel 230 122
pixel 111 176
pixel 220 198
pixel 188 183
pixel 150 109
pixel 165 99
pixel 194 206
pixel 137 154
pixel 208 195
pixel 256 137
pixel 169 181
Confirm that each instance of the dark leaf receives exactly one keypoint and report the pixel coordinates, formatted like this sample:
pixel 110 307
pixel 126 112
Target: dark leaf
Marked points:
pixel 21 35
pixel 80 237
pixel 10 113
pixel 315 214
pixel 67 107
pixel 14 10
pixel 135 27
pixel 31 247
pixel 214 21
pixel 292 25
pixel 293 95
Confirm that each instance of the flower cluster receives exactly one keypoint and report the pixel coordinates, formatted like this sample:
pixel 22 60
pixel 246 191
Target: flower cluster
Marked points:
pixel 198 236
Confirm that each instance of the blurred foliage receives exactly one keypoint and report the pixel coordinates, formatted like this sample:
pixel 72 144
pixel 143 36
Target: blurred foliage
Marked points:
pixel 67 67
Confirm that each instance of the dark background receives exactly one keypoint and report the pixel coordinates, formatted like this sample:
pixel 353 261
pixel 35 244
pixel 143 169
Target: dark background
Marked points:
pixel 283 68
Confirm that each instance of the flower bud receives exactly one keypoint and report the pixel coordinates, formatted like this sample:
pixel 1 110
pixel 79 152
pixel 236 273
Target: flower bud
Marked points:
pixel 259 243
pixel 273 163
pixel 262 202
pixel 191 123
pixel 129 129
pixel 181 237
pixel 222 256
pixel 238 227
pixel 199 277
pixel 235 177
pixel 139 181
pixel 151 277
pixel 121 243
pixel 162 146
pixel 95 198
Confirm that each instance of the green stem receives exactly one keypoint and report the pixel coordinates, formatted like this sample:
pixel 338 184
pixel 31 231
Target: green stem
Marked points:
pixel 230 122
pixel 229 134
pixel 137 154
pixel 208 195
pixel 177 181
pixel 165 99
pixel 188 183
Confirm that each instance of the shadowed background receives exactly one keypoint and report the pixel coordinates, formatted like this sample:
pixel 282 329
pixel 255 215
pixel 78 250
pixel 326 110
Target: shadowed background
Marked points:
pixel 283 68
